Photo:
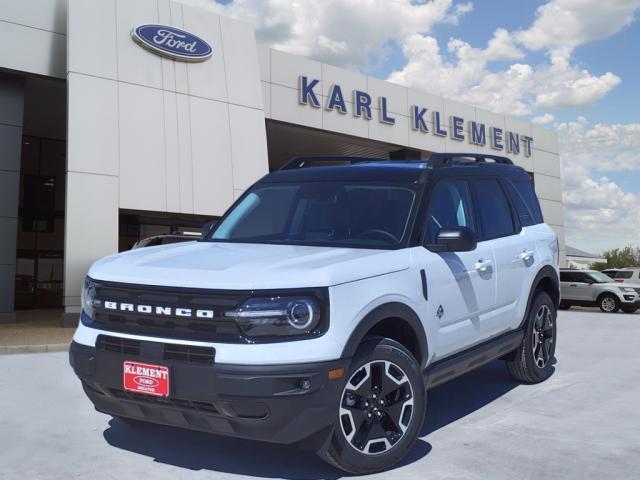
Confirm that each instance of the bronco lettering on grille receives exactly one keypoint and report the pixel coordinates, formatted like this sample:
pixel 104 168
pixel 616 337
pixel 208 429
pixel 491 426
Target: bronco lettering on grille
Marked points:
pixel 158 310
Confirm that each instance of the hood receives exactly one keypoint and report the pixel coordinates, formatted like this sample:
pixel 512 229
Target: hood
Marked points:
pixel 242 266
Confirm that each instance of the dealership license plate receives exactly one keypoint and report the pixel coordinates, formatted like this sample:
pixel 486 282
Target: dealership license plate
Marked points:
pixel 145 378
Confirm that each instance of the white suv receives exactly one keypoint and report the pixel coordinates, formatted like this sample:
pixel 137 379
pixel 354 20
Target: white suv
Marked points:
pixel 325 303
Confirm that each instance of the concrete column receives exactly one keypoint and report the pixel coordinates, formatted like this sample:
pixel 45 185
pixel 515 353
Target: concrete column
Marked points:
pixel 11 107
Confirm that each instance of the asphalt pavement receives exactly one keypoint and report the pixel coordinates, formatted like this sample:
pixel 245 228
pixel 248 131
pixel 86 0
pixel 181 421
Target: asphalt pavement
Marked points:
pixel 582 423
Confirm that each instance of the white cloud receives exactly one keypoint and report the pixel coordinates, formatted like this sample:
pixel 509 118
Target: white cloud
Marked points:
pixel 521 88
pixel 566 86
pixel 467 78
pixel 599 213
pixel 562 24
pixel 603 147
pixel 545 119
pixel 346 33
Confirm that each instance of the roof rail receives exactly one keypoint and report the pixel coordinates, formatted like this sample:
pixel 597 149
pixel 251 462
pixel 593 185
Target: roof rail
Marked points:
pixel 301 162
pixel 446 159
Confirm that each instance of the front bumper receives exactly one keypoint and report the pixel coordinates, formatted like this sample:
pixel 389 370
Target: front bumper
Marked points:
pixel 275 403
pixel 630 301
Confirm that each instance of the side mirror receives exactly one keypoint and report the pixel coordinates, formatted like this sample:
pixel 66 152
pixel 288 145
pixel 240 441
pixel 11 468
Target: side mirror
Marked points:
pixel 456 239
pixel 206 228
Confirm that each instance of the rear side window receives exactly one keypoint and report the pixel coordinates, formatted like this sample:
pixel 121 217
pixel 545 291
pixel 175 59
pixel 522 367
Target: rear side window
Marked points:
pixel 525 201
pixel 493 209
pixel 624 275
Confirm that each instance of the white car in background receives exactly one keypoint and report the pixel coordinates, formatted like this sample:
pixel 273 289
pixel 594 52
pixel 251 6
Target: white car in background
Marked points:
pixel 590 288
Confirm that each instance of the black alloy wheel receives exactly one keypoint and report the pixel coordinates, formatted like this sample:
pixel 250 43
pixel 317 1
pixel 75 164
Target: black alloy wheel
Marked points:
pixel 376 408
pixel 380 411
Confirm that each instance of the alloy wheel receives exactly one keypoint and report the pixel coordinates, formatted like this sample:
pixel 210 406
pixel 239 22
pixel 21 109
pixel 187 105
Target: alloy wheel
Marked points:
pixel 608 304
pixel 376 407
pixel 542 336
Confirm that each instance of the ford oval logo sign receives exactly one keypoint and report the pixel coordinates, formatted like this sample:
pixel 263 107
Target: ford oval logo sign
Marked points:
pixel 172 43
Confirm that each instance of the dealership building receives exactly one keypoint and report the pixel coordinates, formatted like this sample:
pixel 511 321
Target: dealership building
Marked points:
pixel 121 119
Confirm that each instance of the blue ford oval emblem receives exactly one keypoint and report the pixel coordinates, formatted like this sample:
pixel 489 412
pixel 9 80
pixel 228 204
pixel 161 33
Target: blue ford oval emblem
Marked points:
pixel 172 42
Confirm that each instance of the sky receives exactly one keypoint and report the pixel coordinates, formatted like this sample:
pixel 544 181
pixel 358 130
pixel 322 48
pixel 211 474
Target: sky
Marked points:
pixel 572 66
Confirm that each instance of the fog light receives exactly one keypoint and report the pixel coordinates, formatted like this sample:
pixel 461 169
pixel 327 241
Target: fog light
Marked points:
pixel 305 384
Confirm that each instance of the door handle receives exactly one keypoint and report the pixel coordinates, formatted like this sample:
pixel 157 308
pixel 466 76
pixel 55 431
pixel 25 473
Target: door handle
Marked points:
pixel 483 265
pixel 527 255
pixel 573 285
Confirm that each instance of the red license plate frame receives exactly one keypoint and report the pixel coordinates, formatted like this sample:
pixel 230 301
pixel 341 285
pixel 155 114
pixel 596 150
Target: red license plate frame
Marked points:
pixel 145 378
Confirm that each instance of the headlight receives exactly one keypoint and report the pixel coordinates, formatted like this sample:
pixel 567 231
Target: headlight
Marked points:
pixel 627 289
pixel 88 299
pixel 278 316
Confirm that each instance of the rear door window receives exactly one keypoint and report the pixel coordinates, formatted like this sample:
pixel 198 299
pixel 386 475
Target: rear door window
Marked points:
pixel 494 211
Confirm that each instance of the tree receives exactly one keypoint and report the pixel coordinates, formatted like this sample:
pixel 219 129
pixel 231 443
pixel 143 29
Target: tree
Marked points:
pixel 619 258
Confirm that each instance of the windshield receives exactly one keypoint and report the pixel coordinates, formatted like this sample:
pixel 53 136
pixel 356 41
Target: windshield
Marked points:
pixel 336 214
pixel 600 277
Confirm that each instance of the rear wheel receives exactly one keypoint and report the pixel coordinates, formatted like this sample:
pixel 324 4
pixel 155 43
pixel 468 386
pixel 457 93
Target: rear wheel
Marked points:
pixel 381 409
pixel 608 303
pixel 531 362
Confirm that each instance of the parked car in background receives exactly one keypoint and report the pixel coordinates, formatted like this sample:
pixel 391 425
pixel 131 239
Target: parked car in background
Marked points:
pixel 592 288
pixel 176 237
pixel 628 275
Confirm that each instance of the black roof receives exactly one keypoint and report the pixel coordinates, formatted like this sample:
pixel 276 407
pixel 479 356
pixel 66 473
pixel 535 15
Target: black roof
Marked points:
pixel 376 169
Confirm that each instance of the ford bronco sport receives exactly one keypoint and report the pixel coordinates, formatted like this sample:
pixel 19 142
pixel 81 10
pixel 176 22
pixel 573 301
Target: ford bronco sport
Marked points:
pixel 325 303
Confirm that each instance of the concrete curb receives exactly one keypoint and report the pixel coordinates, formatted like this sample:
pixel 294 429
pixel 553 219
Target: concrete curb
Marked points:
pixel 15 349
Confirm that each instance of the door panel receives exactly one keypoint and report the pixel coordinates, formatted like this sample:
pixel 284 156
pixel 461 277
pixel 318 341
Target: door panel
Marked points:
pixel 461 296
pixel 461 284
pixel 513 253
pixel 516 265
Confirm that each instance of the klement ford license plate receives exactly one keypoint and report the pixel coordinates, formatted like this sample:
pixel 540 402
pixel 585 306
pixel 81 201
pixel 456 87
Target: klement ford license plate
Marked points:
pixel 145 378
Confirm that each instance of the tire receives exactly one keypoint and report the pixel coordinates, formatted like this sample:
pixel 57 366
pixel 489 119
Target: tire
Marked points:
pixel 608 303
pixel 381 409
pixel 564 306
pixel 531 362
pixel 629 309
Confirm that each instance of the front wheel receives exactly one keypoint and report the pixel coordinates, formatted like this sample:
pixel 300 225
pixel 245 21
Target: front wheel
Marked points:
pixel 380 411
pixel 531 362
pixel 609 303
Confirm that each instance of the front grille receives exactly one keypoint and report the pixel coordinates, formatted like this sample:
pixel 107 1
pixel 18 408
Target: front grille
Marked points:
pixel 118 345
pixel 216 329
pixel 189 353
pixel 179 353
pixel 637 290
pixel 206 407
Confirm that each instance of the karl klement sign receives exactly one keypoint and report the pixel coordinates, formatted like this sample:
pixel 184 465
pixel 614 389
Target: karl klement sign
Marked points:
pixel 478 133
